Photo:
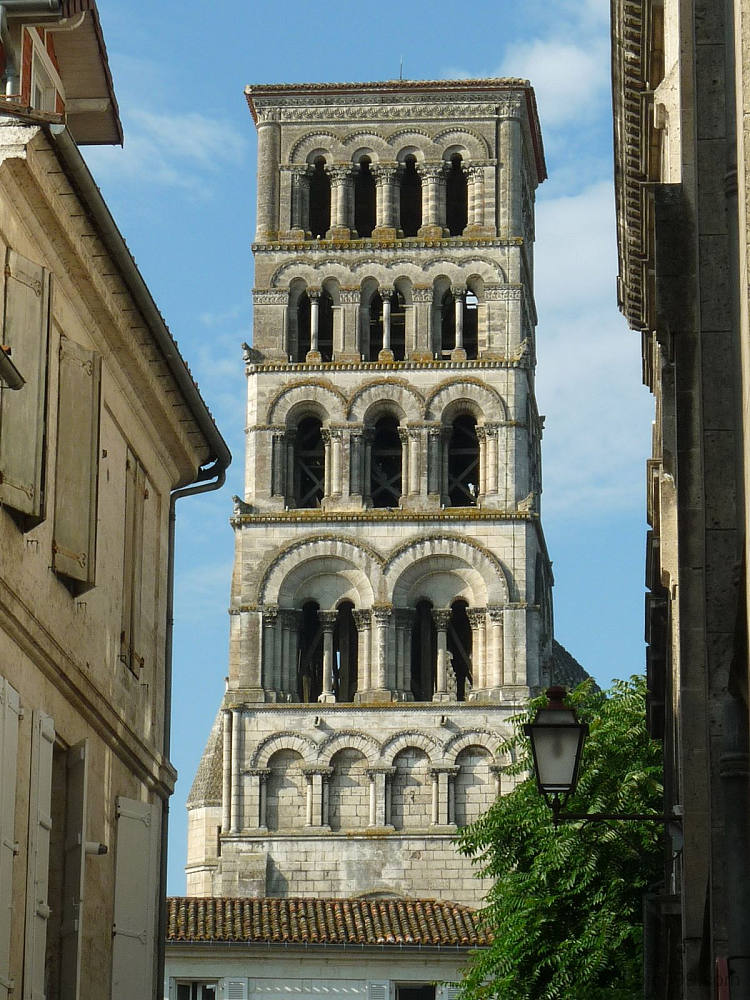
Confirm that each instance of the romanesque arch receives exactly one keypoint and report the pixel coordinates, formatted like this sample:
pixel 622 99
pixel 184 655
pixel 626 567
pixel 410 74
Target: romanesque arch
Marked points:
pixel 390 390
pixel 475 737
pixel 462 139
pixel 404 741
pixel 350 739
pixel 469 562
pixel 297 742
pixel 297 396
pixel 325 568
pixel 318 143
pixel 484 401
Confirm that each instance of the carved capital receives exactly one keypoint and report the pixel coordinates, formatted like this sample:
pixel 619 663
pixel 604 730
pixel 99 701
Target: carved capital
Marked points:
pixel 382 613
pixel 328 620
pixel 362 618
pixel 476 616
pixel 385 174
pixel 496 614
pixel 270 614
pixel 442 618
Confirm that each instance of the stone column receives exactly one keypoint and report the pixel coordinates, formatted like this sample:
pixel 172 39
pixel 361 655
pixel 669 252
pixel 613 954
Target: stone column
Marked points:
pixel 362 619
pixel 257 796
pixel 278 462
pixel 385 202
pixel 270 676
pixel 315 805
pixel 475 179
pixel 404 620
pixel 445 440
pixel 482 442
pixel 269 151
pixel 433 199
pixel 236 794
pixel 434 460
pixel 341 182
pixel 435 797
pixel 327 620
pixel 326 436
pixel 386 354
pixel 510 175
pixel 458 353
pixel 415 440
pixel 356 463
pixel 289 624
pixel 379 804
pixel 441 775
pixel 496 770
pixel 290 439
pixel 368 437
pixel 309 799
pixel 300 204
pixel 313 354
pixel 226 772
pixel 477 618
pixel 403 436
pixel 492 432
pixel 441 617
pixel 496 667
pixel 336 479
pixel 382 615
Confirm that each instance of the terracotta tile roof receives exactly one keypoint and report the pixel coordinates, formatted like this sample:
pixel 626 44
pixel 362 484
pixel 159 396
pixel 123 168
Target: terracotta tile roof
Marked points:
pixel 324 921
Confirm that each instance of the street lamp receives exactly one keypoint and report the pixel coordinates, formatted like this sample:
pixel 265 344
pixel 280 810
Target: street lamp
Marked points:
pixel 557 739
pixel 9 374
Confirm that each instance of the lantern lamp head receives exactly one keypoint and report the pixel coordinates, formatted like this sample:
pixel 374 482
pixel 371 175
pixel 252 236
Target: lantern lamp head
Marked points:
pixel 557 739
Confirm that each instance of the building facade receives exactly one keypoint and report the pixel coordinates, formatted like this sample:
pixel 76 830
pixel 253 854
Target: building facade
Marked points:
pixel 391 602
pixel 680 88
pixel 102 429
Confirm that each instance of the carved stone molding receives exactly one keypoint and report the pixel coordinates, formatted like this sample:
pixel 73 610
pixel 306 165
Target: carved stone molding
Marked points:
pixel 442 618
pixel 476 616
pixel 270 298
pixel 362 618
pixel 502 293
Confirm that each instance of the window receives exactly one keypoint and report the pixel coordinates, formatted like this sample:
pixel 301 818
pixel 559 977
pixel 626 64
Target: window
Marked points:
pixel 459 647
pixel 196 991
pixel 398 326
pixel 320 200
pixel 304 338
pixel 471 326
pixel 385 479
pixel 310 681
pixel 325 326
pixel 456 197
pixel 309 463
pixel 410 197
pixel 345 653
pixel 23 411
pixel 447 324
pixel 376 326
pixel 423 653
pixel 463 462
pixel 364 199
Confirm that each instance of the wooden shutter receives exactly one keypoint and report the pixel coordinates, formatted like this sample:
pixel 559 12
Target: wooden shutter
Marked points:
pixel 10 712
pixel 76 774
pixel 379 990
pixel 76 472
pixel 446 991
pixel 40 824
pixel 135 491
pixel 136 892
pixel 22 411
pixel 235 989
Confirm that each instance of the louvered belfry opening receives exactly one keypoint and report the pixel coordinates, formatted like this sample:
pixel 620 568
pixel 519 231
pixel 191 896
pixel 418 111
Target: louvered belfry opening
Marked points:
pixel 385 484
pixel 320 200
pixel 309 463
pixel 410 197
pixel 463 462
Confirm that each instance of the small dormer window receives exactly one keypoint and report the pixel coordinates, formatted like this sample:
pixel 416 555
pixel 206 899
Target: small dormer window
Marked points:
pixel 42 88
pixel 45 85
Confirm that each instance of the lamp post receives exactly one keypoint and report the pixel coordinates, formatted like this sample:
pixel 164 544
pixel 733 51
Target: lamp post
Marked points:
pixel 557 739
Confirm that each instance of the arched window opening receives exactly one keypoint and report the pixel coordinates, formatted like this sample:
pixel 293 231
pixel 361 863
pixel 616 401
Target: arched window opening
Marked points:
pixel 345 654
pixel 320 200
pixel 456 197
pixel 376 326
pixel 303 327
pixel 309 463
pixel 459 647
pixel 310 655
pixel 385 479
pixel 325 326
pixel 471 326
pixel 447 324
pixel 411 197
pixel 364 199
pixel 463 462
pixel 285 791
pixel 423 653
pixel 398 326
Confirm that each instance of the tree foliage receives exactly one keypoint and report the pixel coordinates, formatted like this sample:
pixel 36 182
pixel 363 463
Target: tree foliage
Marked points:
pixel 565 911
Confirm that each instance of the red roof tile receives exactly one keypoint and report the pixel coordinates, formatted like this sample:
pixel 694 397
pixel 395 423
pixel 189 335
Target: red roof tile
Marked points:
pixel 324 921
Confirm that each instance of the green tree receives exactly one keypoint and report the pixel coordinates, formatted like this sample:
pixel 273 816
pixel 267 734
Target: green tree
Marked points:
pixel 565 911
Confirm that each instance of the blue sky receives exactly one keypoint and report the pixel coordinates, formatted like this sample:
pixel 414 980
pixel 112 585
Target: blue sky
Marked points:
pixel 183 192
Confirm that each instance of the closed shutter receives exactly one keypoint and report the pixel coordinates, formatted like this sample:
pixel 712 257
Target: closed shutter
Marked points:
pixel 10 711
pixel 135 492
pixel 446 991
pixel 22 412
pixel 136 891
pixel 379 990
pixel 73 872
pixel 235 989
pixel 76 473
pixel 40 824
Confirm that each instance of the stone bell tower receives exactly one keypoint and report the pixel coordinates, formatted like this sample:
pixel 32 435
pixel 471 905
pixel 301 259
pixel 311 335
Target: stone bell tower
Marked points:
pixel 391 596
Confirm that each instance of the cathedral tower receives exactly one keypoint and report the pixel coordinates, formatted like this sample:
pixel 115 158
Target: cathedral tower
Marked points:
pixel 391 602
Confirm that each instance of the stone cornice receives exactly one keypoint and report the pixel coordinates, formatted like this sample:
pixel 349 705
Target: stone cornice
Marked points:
pixel 290 367
pixel 405 244
pixel 437 517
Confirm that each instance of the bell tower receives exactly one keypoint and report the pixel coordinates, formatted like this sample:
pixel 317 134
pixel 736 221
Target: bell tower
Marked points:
pixel 391 596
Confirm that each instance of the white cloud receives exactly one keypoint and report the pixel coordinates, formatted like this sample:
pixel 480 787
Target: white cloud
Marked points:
pixel 568 77
pixel 589 378
pixel 172 150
